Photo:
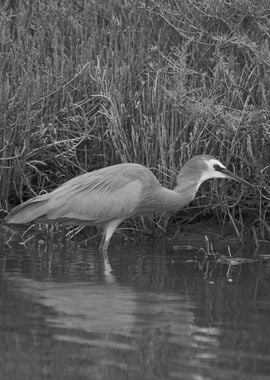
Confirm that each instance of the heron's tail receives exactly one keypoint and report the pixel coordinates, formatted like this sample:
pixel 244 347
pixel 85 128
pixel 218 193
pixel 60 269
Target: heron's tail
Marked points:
pixel 28 211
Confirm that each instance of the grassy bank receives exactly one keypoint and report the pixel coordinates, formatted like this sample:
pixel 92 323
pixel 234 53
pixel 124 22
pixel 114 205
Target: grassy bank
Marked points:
pixel 87 84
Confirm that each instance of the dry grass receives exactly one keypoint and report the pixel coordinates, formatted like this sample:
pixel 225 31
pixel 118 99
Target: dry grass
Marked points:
pixel 88 84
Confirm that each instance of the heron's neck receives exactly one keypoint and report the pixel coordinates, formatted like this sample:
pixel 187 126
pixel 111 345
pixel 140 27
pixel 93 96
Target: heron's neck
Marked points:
pixel 179 197
pixel 188 186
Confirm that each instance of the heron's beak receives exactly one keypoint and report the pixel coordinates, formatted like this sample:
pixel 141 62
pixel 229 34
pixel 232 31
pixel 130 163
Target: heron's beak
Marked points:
pixel 231 175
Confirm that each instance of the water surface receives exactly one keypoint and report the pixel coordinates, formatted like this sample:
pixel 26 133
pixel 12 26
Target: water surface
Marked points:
pixel 148 312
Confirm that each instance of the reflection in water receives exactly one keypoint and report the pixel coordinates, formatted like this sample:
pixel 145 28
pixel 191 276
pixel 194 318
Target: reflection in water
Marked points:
pixel 145 313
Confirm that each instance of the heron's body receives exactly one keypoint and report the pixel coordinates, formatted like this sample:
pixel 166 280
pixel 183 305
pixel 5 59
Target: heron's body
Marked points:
pixel 110 195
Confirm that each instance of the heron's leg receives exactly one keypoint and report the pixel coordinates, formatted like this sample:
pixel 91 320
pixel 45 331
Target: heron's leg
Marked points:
pixel 104 243
pixel 106 266
pixel 108 230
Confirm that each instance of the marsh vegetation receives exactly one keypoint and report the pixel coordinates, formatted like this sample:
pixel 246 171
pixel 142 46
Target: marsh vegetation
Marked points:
pixel 88 84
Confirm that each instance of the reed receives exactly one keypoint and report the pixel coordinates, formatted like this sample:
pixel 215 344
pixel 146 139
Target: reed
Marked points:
pixel 88 84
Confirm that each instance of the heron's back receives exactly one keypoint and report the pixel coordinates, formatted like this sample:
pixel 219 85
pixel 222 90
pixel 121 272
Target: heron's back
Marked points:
pixel 110 193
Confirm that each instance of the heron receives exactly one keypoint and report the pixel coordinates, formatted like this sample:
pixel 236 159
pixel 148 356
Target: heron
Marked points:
pixel 108 196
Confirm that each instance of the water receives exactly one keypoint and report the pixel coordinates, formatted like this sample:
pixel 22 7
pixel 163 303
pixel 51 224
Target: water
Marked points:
pixel 148 312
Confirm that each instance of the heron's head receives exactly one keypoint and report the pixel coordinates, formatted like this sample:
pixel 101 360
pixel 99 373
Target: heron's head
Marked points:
pixel 204 167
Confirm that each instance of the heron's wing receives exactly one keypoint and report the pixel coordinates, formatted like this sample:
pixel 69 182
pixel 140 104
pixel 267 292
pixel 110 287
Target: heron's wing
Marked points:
pixel 97 197
pixel 96 206
pixel 28 211
pixel 106 194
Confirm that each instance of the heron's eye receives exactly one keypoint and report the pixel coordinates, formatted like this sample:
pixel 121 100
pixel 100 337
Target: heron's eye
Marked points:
pixel 218 168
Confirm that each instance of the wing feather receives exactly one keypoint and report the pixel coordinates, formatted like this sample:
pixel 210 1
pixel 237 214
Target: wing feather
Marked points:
pixel 97 207
pixel 95 197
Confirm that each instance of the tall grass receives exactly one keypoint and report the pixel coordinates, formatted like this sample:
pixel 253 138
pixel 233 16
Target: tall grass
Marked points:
pixel 88 84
